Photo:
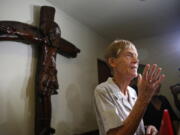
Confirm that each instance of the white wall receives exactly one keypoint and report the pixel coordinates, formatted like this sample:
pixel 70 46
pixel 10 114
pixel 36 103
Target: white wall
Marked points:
pixel 72 107
pixel 163 50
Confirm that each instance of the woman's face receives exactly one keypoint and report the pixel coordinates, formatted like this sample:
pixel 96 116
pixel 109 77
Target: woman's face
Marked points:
pixel 126 64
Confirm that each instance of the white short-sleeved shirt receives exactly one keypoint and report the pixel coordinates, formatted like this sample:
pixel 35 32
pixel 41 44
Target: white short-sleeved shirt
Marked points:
pixel 112 107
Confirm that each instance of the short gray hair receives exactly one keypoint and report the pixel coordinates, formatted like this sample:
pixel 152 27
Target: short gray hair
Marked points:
pixel 116 47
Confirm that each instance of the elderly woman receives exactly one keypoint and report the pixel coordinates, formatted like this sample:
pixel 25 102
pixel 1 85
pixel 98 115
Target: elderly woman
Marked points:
pixel 118 109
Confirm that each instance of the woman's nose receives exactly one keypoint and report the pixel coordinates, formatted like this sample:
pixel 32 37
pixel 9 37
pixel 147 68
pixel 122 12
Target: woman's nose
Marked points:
pixel 135 60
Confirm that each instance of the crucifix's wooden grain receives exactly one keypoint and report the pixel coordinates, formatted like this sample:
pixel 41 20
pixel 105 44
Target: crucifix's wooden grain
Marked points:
pixel 48 39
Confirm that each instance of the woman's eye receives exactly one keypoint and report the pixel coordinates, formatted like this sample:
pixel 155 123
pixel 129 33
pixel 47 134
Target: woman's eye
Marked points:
pixel 129 55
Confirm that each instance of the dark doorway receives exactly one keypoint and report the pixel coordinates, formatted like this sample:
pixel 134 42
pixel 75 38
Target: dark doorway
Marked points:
pixel 103 71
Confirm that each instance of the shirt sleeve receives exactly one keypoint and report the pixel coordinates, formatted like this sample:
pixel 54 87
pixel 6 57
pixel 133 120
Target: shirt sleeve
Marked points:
pixel 106 110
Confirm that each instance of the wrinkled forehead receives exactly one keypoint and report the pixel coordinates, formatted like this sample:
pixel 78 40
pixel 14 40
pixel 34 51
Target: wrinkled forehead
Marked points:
pixel 117 47
pixel 128 49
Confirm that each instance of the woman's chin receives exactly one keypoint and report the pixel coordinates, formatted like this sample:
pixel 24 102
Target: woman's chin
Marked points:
pixel 134 75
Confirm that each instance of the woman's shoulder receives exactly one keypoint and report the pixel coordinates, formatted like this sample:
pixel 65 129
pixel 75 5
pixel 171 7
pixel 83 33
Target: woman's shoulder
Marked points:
pixel 104 85
pixel 101 88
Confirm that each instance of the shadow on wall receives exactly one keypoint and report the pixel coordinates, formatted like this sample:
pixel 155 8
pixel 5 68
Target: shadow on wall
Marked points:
pixel 11 123
pixel 17 120
pixel 29 97
pixel 63 129
pixel 81 112
pixel 17 109
pixel 74 104
pixel 36 14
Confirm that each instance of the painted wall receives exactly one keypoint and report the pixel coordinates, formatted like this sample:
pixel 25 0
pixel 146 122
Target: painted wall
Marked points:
pixel 163 50
pixel 72 107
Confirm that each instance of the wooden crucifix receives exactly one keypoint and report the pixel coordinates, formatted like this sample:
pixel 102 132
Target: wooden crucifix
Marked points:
pixel 49 42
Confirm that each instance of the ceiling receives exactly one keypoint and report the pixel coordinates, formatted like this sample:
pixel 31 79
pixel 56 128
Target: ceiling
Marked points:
pixel 129 19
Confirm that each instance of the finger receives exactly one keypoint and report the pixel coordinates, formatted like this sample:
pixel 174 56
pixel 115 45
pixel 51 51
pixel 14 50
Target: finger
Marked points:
pixel 145 72
pixel 157 75
pixel 148 131
pixel 161 78
pixel 154 132
pixel 156 87
pixel 152 71
pixel 151 130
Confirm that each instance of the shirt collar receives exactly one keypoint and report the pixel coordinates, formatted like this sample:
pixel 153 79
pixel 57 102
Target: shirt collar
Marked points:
pixel 116 90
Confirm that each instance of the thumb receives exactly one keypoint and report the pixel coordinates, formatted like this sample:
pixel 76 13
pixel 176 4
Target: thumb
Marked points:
pixel 148 131
pixel 139 80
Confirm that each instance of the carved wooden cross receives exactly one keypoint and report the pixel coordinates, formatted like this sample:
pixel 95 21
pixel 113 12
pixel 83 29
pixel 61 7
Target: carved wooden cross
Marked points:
pixel 48 38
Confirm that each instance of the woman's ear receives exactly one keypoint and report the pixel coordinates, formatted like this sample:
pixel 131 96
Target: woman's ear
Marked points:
pixel 112 62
